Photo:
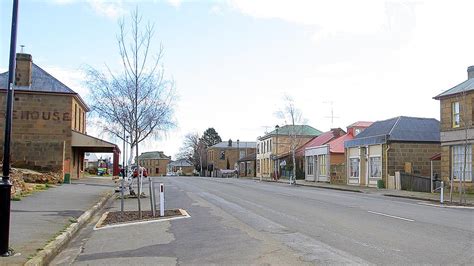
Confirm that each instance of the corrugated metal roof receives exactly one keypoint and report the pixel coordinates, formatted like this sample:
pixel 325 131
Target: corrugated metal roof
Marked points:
pixel 320 140
pixel 337 145
pixel 400 128
pixel 250 157
pixel 300 130
pixel 180 162
pixel 153 155
pixel 242 144
pixel 465 86
pixel 41 81
pixel 361 124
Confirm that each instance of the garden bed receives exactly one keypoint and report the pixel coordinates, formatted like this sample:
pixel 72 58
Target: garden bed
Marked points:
pixel 128 217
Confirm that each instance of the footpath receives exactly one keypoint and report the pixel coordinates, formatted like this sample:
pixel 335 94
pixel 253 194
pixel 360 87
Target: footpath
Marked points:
pixel 432 197
pixel 44 221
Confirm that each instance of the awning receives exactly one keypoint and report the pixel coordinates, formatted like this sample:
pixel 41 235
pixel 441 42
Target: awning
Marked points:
pixel 86 143
pixel 92 144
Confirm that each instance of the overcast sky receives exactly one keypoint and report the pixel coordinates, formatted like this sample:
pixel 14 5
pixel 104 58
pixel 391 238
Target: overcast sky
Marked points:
pixel 234 60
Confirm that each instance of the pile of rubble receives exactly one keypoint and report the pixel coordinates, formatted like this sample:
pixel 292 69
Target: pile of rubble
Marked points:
pixel 21 177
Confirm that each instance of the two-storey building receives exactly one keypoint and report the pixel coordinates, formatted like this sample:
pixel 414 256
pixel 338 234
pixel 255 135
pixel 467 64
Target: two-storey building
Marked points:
pixel 49 123
pixel 457 131
pixel 156 162
pixel 275 147
pixel 225 155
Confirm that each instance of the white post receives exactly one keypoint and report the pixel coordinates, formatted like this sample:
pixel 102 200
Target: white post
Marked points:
pixel 162 200
pixel 442 193
pixel 431 176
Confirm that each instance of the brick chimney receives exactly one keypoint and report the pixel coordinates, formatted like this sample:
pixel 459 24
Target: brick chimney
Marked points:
pixel 470 72
pixel 23 69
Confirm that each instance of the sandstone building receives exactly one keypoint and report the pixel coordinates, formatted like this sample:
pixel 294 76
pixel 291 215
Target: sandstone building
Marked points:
pixel 457 131
pixel 156 162
pixel 225 155
pixel 404 144
pixel 49 123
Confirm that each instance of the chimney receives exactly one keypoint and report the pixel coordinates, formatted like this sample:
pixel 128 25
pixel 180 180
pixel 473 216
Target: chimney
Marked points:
pixel 23 69
pixel 470 72
pixel 230 143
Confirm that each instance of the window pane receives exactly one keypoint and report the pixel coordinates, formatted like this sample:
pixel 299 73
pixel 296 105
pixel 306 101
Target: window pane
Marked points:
pixel 375 166
pixel 354 167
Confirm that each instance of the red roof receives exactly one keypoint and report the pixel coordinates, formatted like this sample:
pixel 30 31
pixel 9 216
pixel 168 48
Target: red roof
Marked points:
pixel 337 145
pixel 361 124
pixel 317 141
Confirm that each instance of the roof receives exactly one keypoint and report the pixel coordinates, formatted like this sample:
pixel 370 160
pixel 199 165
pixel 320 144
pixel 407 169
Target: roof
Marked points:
pixel 250 157
pixel 181 163
pixel 402 128
pixel 361 124
pixel 41 81
pixel 242 144
pixel 153 155
pixel 301 130
pixel 337 145
pixel 320 140
pixel 465 86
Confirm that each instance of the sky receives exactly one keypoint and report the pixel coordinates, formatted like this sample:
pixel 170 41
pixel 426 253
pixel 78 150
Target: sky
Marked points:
pixel 234 61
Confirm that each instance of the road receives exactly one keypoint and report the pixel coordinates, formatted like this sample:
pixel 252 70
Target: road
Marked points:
pixel 236 221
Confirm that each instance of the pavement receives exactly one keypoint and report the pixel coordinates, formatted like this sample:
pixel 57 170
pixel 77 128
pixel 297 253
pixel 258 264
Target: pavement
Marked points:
pixel 433 197
pixel 38 218
pixel 242 221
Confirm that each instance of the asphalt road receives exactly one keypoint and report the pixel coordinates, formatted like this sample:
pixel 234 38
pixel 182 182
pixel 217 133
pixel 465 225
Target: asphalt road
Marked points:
pixel 236 221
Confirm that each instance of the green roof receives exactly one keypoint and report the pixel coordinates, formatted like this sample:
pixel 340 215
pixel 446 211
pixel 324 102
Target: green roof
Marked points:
pixel 153 155
pixel 300 130
pixel 465 86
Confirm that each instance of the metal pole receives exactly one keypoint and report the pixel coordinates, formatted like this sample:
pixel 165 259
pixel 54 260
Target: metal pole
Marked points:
pixel 5 185
pixel 123 173
pixel 238 156
pixel 442 193
pixel 151 194
pixel 431 178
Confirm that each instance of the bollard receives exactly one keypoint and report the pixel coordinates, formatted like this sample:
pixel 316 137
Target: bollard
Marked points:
pixel 442 193
pixel 162 200
pixel 121 193
pixel 150 190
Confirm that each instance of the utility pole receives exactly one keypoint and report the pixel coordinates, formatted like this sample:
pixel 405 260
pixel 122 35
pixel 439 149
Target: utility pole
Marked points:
pixel 5 184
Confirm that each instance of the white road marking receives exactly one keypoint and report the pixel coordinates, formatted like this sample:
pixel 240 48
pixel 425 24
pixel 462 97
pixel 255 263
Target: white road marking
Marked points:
pixel 392 216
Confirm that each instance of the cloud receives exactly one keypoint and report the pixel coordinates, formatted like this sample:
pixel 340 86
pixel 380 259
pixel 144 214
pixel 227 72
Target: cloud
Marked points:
pixel 175 3
pixel 107 8
pixel 110 9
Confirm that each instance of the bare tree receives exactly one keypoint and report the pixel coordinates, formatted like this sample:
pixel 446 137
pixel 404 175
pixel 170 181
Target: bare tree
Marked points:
pixel 193 150
pixel 138 100
pixel 293 117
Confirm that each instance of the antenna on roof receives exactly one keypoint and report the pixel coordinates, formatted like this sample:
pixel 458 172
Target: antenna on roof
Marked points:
pixel 332 113
pixel 22 46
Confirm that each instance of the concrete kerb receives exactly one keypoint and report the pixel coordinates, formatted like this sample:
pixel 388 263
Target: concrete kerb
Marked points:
pixel 447 204
pixel 315 186
pixel 44 256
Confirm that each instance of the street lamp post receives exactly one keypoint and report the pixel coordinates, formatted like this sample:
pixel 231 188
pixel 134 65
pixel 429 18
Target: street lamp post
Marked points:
pixel 277 166
pixel 5 184
pixel 238 158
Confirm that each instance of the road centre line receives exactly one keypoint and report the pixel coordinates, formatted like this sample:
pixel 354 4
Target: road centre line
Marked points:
pixel 392 216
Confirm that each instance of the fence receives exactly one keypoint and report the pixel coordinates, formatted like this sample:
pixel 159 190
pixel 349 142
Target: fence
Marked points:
pixel 415 182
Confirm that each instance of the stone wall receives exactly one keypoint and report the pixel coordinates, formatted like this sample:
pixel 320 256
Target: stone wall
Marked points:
pixel 153 164
pixel 418 154
pixel 41 129
pixel 338 174
pixel 466 111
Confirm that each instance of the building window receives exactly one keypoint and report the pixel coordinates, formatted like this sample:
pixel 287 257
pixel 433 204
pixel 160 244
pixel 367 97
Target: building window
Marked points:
pixel 456 114
pixel 354 167
pixel 322 165
pixel 310 165
pixel 258 166
pixel 375 166
pixel 222 156
pixel 270 145
pixel 357 131
pixel 157 170
pixel 249 168
pixel 242 154
pixel 457 162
